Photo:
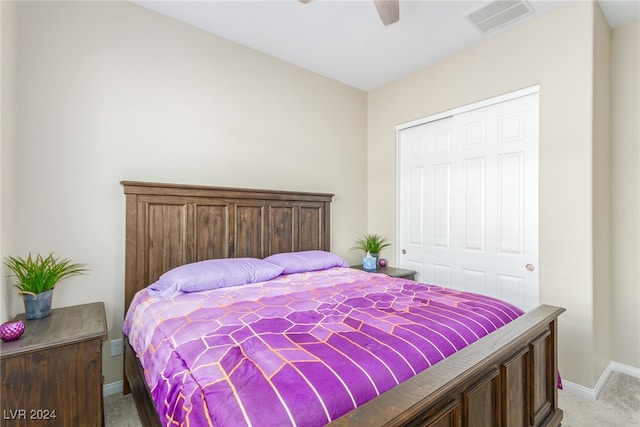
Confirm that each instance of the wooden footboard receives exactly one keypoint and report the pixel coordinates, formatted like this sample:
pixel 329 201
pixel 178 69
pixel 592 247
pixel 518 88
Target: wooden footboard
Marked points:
pixel 508 378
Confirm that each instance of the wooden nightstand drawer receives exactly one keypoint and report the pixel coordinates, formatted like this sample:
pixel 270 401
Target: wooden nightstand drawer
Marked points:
pixel 392 272
pixel 53 374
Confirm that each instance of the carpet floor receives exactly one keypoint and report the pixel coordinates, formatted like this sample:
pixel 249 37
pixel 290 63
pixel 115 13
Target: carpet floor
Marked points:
pixel 617 406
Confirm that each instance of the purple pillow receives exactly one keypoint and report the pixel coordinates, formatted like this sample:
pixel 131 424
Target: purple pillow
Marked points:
pixel 213 274
pixel 299 262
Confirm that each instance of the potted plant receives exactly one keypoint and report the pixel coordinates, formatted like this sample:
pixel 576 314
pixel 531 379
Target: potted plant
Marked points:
pixel 37 277
pixel 372 245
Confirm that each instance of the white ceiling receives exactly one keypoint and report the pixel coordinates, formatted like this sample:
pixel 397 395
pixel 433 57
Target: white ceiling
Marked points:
pixel 345 39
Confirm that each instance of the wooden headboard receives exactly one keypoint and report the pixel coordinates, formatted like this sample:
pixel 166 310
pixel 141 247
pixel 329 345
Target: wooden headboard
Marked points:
pixel 169 225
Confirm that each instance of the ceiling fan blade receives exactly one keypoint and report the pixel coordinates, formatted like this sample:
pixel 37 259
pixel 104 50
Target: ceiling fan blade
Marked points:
pixel 389 10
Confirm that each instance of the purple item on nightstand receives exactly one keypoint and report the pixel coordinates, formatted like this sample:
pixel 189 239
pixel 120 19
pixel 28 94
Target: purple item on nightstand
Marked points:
pixel 11 331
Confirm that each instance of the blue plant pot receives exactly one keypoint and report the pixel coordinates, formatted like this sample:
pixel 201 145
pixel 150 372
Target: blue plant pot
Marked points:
pixel 37 306
pixel 369 263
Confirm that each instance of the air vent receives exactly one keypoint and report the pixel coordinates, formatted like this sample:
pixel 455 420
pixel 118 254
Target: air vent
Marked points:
pixel 498 13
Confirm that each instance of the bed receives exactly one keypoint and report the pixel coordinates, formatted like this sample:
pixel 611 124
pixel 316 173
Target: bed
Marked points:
pixel 505 378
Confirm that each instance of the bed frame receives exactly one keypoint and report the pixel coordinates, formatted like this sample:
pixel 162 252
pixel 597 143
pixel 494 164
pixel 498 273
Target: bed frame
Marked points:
pixel 508 378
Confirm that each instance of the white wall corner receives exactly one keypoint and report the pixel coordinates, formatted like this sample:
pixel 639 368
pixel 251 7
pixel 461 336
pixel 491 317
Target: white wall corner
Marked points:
pixel 593 393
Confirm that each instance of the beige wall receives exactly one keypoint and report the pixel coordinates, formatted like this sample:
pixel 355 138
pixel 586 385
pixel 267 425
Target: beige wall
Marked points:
pixel 625 155
pixel 8 119
pixel 542 52
pixel 602 337
pixel 110 91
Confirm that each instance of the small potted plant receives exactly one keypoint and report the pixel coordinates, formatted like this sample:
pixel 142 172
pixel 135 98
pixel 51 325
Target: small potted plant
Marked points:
pixel 37 277
pixel 372 245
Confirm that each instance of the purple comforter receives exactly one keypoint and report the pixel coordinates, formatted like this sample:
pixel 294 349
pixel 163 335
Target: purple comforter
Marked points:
pixel 301 349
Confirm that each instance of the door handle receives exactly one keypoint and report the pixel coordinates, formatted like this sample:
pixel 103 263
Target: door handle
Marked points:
pixel 404 251
pixel 530 267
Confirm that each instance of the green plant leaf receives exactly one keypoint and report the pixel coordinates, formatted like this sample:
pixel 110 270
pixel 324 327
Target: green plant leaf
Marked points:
pixel 41 274
pixel 371 243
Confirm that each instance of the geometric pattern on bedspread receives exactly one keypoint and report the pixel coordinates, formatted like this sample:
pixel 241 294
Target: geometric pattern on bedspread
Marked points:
pixel 302 349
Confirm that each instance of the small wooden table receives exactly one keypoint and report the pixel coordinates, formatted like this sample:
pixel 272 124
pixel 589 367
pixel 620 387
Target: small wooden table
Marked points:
pixel 52 375
pixel 391 271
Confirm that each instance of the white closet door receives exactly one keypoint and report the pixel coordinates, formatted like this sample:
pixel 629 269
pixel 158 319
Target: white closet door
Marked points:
pixel 468 201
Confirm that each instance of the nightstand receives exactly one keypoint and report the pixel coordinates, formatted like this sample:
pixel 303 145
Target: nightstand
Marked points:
pixel 392 272
pixel 52 375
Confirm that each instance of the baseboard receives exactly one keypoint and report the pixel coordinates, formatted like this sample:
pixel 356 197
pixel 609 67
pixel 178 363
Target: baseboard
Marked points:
pixel 593 393
pixel 112 388
pixel 625 369
pixel 586 392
